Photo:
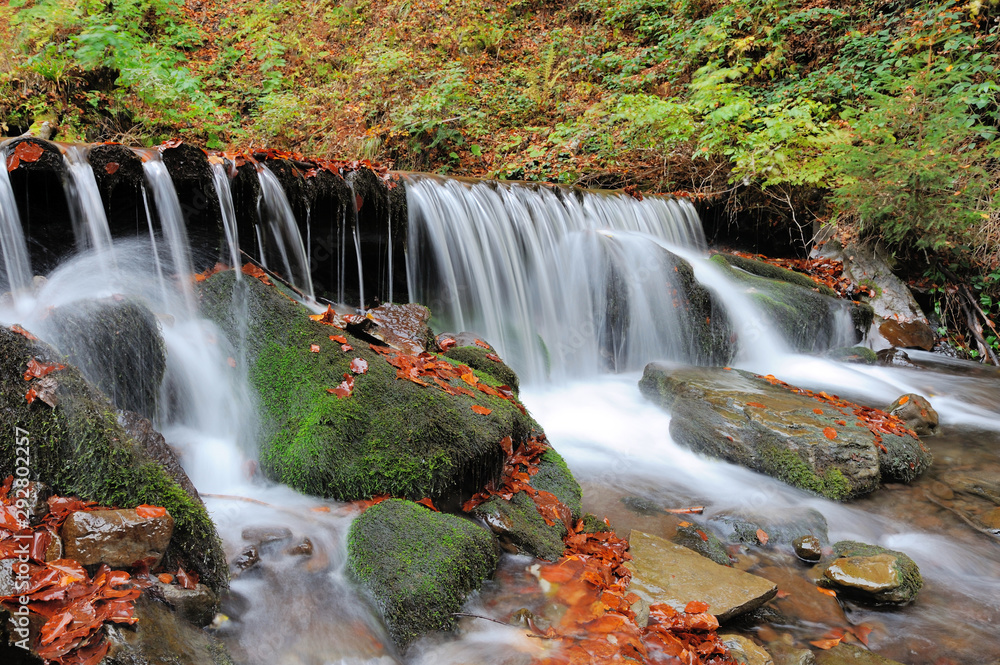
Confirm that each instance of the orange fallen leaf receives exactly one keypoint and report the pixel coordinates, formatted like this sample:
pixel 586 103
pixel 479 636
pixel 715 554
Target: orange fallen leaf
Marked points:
pixel 826 644
pixel 28 152
pixel 426 501
pixel 762 537
pixel 339 338
pixel 861 631
pixel 359 365
pixel 346 347
pixel 481 410
pixel 829 433
pixel 696 607
pixel 111 168
pixel 818 412
pixel 702 535
pixel 30 395
pixel 756 405
pixel 21 331
pixel 314 348
pixel 494 357
pixel 38 370
pixel 685 524
pixel 166 578
pixel 148 512
pixel 781 594
pixel 447 343
pixel 829 592
pixel 904 399
pixel 480 343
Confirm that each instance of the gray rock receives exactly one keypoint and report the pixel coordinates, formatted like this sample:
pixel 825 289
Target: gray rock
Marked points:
pixel 708 546
pixel 786 654
pixel 198 605
pixel 781 527
pixel 848 654
pixel 872 574
pixel 808 548
pixel 663 572
pixel 156 448
pixel 118 538
pixel 916 412
pixel 265 535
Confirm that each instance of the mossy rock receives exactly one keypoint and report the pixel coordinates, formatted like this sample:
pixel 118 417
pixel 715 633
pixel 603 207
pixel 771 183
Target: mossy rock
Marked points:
pixel 79 448
pixel 707 325
pixel 418 565
pixel 117 345
pixel 873 574
pixel 860 355
pixel 806 315
pixel 704 542
pixel 518 521
pixel 475 357
pixel 391 436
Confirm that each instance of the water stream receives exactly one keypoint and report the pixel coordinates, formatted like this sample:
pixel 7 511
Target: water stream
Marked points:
pixel 526 267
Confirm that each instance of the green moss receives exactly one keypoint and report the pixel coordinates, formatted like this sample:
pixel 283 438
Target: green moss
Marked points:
pixel 910 580
pixel 475 357
pixel 80 449
pixel 594 524
pixel 391 436
pixel 709 547
pixel 769 271
pixel 418 565
pixel 792 469
pixel 554 476
pixel 854 354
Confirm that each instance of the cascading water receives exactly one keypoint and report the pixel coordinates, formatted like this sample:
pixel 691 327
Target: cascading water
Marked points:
pixel 284 231
pixel 221 181
pixel 13 248
pixel 90 222
pixel 168 209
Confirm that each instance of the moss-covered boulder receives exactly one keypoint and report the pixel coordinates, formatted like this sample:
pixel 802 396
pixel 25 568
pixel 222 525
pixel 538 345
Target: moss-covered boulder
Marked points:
pixel 518 523
pixel 79 448
pixel 808 314
pixel 765 426
pixel 872 574
pixel 418 565
pixel 391 436
pixel 860 355
pixel 117 345
pixel 476 358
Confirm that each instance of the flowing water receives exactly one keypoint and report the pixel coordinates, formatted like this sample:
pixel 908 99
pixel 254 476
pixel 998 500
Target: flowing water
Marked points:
pixel 525 267
pixel 284 231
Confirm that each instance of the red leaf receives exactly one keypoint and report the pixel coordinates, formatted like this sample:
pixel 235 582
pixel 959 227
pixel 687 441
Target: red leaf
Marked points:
pixel 756 405
pixel 314 348
pixel 861 631
pixel 481 410
pixel 480 343
pixel 494 357
pixel 359 365
pixel 428 503
pixel 346 347
pixel 21 331
pixel 826 644
pixel 111 168
pixel 762 536
pixel 30 395
pixel 829 433
pixel 339 338
pixel 447 343
pixel 12 162
pixel 148 512
pixel 251 270
pixel 29 152
pixel 696 607
pixel 187 580
pixel 38 370
pixel 702 535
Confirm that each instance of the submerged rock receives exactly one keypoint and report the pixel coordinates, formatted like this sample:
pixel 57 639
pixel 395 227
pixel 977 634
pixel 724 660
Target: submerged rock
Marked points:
pixel 745 650
pixel 518 522
pixel 808 548
pixel 87 453
pixel 781 528
pixel 916 412
pixel 663 572
pixel 748 420
pixel 871 573
pixel 860 355
pixel 849 654
pixel 391 436
pixel 418 565
pixel 159 637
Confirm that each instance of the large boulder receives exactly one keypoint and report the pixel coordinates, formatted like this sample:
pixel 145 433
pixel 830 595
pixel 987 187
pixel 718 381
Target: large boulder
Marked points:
pixel 807 314
pixel 117 345
pixel 391 436
pixel 766 426
pixel 418 565
pixel 79 448
pixel 518 523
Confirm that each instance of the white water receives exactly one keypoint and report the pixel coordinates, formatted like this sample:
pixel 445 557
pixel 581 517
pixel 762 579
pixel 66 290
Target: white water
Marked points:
pixel 284 231
pixel 13 248
pixel 172 225
pixel 90 222
pixel 220 179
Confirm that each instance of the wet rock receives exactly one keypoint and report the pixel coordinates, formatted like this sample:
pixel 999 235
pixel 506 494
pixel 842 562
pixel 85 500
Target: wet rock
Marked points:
pixel 246 559
pixel 55 549
pixel 198 605
pixel 155 446
pixel 402 327
pixel 786 654
pixel 745 650
pixel 117 345
pixel 518 522
pixel 982 483
pixel 742 418
pixel 476 357
pixel 991 519
pixel 663 572
pixel 118 538
pixel 265 535
pixel 908 334
pixel 781 527
pixel 641 505
pixel 390 436
pixel 808 548
pixel 916 412
pixel 848 654
pixel 304 548
pixel 802 601
pixel 893 357
pixel 161 636
pixel 419 565
pixel 861 355
pixel 703 542
pixel 872 574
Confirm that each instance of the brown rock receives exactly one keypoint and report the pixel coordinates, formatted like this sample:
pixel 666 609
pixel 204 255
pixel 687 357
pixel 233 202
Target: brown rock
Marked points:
pixel 991 520
pixel 808 548
pixel 916 412
pixel 197 605
pixel 118 538
pixel 908 334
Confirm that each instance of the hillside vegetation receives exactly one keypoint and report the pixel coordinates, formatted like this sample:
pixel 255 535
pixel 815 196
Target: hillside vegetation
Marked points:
pixel 879 116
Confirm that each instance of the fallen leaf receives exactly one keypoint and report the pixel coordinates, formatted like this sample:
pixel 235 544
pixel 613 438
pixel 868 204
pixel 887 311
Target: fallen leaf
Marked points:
pixel 781 594
pixel 762 537
pixel 186 580
pixel 684 525
pixel 696 607
pixel 861 631
pixel 28 152
pixel 818 412
pixel 756 405
pixel 165 578
pixel 825 644
pixel 314 348
pixel 494 357
pixel 30 395
pixel 12 162
pixel 346 347
pixel 428 503
pixel 148 512
pixel 480 343
pixel 447 343
pixel 359 365
pixel 829 433
pixel 21 331
pixel 904 399
pixel 829 592
pixel 481 410
pixel 111 168
pixel 231 361
pixel 254 271
pixel 38 370
pixel 339 338
pixel 702 535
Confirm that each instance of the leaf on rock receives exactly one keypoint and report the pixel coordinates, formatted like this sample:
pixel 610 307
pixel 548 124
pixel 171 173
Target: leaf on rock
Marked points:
pixel 446 343
pixel 111 168
pixel 756 405
pixel 829 433
pixel 254 271
pixel 314 348
pixel 165 578
pixel 825 644
pixel 696 607
pixel 762 537
pixel 12 162
pixel 481 410
pixel 30 395
pixel 359 365
pixel 28 152
pixel 494 357
pixel 187 580
pixel 346 347
pixel 38 370
pixel 146 511
pixel 481 344
pixel 426 502
pixel 21 331
pixel 904 399
pixel 338 338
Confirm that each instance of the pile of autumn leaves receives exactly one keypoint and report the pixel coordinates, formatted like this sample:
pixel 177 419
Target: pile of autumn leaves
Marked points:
pixel 71 605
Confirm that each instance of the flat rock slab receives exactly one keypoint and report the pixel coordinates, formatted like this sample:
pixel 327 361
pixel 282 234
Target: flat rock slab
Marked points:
pixel 765 426
pixel 663 572
pixel 118 538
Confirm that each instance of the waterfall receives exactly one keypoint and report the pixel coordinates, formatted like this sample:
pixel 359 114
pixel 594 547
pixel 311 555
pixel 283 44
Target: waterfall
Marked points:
pixel 12 244
pixel 90 222
pixel 536 271
pixel 284 231
pixel 221 181
pixel 168 208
